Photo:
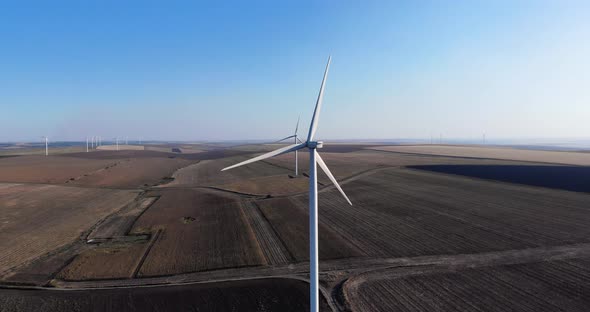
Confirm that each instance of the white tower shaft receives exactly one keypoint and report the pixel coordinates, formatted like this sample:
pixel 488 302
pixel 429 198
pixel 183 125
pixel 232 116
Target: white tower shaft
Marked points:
pixel 314 296
pixel 296 160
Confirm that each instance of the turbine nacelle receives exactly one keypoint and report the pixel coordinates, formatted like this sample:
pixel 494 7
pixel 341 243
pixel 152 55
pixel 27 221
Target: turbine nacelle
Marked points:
pixel 315 144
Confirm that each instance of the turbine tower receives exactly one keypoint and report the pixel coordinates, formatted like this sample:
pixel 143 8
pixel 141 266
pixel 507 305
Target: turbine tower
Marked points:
pixel 86 144
pixel 314 160
pixel 295 140
pixel 46 145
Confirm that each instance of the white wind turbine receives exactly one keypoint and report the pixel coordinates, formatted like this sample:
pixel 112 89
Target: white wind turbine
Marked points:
pixel 314 159
pixel 46 145
pixel 295 140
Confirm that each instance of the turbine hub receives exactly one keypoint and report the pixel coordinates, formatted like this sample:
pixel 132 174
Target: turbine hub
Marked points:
pixel 315 144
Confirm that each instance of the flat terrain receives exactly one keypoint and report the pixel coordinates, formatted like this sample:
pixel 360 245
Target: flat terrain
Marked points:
pixel 570 178
pixel 121 147
pixel 255 295
pixel 543 286
pixel 96 169
pixel 200 230
pixel 133 172
pixel 208 172
pixel 37 219
pixel 507 153
pixel 432 228
pixel 50 169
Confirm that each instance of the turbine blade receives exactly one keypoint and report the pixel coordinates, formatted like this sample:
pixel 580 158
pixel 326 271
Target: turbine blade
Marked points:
pixel 318 105
pixel 276 152
pixel 292 136
pixel 324 167
pixel 297 126
pixel 298 139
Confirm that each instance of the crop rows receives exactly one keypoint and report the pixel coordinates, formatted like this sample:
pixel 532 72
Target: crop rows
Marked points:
pixel 531 287
pixel 201 230
pixel 39 219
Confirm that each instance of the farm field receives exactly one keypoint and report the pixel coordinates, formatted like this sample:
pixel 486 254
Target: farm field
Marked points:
pixel 106 262
pixel 200 230
pixel 405 213
pixel 36 219
pixel 133 172
pixel 121 147
pixel 134 218
pixel 208 172
pixel 180 148
pixel 255 295
pixel 506 153
pixel 544 286
pixel 50 169
pixel 569 178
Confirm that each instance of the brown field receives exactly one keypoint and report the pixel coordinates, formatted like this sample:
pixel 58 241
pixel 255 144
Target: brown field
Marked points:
pixel 122 147
pixel 544 286
pixel 184 148
pixel 133 173
pixel 558 157
pixel 36 219
pixel 110 262
pixel 250 295
pixel 401 212
pixel 279 185
pixel 39 151
pixel 121 154
pixel 289 218
pixel 208 172
pixel 200 230
pixel 50 169
pixel 482 229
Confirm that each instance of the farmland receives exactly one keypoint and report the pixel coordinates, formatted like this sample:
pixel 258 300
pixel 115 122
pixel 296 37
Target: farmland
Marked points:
pixel 200 230
pixel 505 153
pixel 36 219
pixel 544 286
pixel 507 226
pixel 263 295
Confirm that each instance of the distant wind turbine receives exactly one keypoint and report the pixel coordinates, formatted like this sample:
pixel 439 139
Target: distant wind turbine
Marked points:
pixel 295 140
pixel 314 159
pixel 86 144
pixel 46 145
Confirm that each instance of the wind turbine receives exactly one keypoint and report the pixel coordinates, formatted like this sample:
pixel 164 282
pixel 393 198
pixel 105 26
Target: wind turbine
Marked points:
pixel 86 144
pixel 314 159
pixel 296 140
pixel 46 145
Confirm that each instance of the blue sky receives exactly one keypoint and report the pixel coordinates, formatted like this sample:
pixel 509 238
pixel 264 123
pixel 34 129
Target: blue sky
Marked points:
pixel 193 70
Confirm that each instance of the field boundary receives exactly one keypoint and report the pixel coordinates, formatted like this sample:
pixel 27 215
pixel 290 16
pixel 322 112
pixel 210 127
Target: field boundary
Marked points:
pixel 266 235
pixel 147 250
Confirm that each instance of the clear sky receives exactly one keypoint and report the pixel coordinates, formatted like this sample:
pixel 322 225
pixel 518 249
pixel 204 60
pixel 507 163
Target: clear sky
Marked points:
pixel 197 70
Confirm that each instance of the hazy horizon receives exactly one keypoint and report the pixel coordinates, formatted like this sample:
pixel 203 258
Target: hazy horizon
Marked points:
pixel 515 70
